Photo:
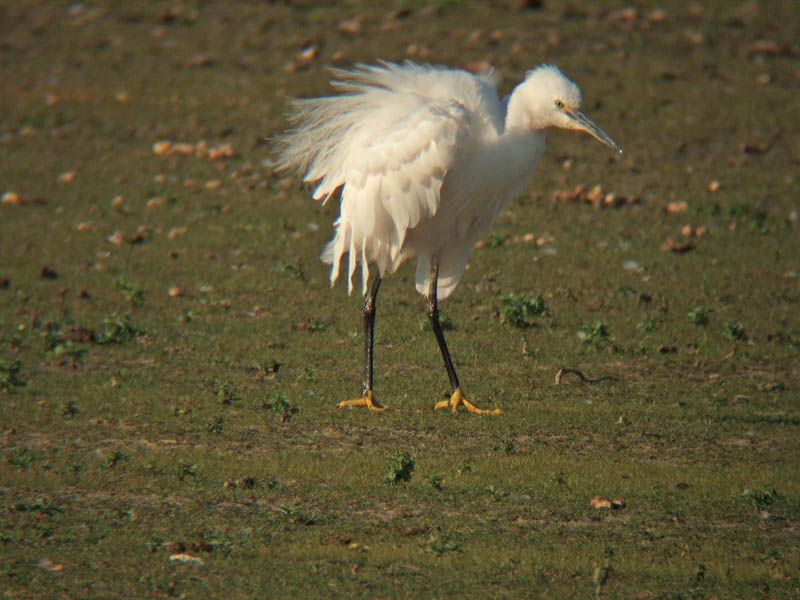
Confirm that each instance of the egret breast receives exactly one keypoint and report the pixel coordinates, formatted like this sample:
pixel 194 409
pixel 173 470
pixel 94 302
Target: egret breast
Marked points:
pixel 472 195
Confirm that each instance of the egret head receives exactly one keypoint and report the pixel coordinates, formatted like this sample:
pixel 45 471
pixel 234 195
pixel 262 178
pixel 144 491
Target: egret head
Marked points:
pixel 547 98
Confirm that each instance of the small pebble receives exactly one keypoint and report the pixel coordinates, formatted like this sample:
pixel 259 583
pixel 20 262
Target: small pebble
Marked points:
pixel 11 198
pixel 162 147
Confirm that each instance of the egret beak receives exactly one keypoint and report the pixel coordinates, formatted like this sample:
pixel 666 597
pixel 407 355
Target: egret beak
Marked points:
pixel 583 123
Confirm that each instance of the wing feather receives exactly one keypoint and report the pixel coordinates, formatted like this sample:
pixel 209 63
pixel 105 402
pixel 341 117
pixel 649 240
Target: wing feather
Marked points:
pixel 386 143
pixel 395 182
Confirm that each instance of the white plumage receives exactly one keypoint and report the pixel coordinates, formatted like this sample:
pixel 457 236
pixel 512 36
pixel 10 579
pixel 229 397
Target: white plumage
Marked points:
pixel 425 158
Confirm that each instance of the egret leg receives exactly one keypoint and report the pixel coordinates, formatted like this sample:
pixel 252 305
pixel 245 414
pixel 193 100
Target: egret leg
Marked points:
pixel 457 399
pixel 368 314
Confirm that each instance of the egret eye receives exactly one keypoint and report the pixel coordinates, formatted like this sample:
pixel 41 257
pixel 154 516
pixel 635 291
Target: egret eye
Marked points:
pixel 559 104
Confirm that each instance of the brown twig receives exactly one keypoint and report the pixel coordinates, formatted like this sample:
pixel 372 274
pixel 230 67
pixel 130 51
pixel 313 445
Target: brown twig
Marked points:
pixel 567 371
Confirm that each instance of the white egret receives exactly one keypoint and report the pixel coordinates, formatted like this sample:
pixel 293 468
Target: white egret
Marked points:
pixel 423 158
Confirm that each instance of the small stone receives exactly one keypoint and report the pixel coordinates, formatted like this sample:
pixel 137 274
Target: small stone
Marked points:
pixel 11 198
pixel 47 565
pixel 595 195
pixel 623 15
pixel 544 240
pixel 142 233
pixel 496 36
pixel 631 265
pixel 162 147
pixel 763 48
pixel 308 53
pixel 678 206
pixel 600 502
pixel 187 558
pixel 694 37
pixel 680 247
pixel 222 151
pixel 353 25
pixel 183 148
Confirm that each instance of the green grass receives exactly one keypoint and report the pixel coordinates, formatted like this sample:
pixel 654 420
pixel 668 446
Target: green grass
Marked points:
pixel 171 355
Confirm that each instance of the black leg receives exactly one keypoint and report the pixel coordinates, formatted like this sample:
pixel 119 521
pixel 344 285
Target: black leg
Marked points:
pixel 457 399
pixel 368 313
pixel 433 315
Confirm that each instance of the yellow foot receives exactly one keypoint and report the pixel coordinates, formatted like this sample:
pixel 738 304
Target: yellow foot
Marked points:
pixel 457 399
pixel 367 401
